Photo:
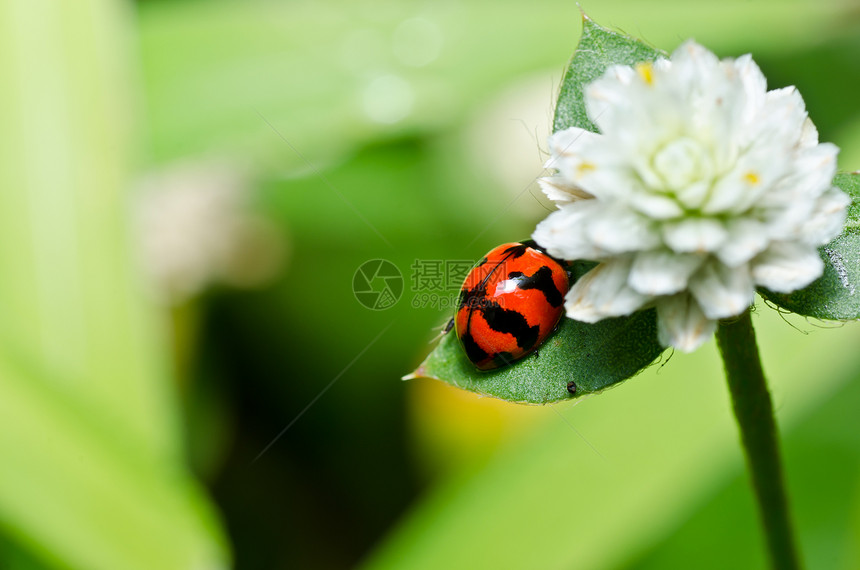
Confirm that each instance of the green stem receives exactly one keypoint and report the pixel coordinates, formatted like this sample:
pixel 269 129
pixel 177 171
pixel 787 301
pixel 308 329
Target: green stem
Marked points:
pixel 754 412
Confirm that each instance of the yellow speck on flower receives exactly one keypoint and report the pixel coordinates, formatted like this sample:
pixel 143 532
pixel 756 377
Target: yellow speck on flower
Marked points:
pixel 646 72
pixel 585 167
pixel 752 178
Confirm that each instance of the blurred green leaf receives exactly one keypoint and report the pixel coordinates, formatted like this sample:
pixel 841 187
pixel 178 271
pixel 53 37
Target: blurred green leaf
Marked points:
pixel 593 356
pixel 207 69
pixel 666 443
pixel 80 496
pixel 822 446
pixel 836 294
pixel 598 49
pixel 94 475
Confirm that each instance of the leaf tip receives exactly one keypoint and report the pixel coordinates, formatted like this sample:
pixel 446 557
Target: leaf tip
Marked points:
pixel 419 372
pixel 585 17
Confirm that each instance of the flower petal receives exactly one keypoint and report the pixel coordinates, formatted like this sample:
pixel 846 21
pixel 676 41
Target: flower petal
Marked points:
pixel 569 143
pixel 693 59
pixel 828 218
pixel 608 97
pixel 682 324
pixel 811 174
pixel 746 239
pixel 737 189
pixel 559 190
pixel 754 86
pixel 787 266
pixel 662 272
pixel 695 235
pixel 562 233
pixel 809 134
pixel 619 229
pixel 654 205
pixel 569 153
pixel 780 122
pixel 722 291
pixel 603 292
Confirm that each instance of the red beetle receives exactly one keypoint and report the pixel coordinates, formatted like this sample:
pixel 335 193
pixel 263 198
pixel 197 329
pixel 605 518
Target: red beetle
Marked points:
pixel 509 304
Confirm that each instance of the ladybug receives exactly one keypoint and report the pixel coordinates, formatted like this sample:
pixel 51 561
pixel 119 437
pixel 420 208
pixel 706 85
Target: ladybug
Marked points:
pixel 509 303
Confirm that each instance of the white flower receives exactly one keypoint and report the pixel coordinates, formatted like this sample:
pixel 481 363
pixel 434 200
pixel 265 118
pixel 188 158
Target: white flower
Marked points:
pixel 700 186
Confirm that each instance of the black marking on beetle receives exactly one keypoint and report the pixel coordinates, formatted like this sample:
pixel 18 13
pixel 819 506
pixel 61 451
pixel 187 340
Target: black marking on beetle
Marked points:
pixel 480 290
pixel 473 297
pixel 503 359
pixel 535 245
pixel 542 281
pixel 475 353
pixel 571 387
pixel 516 251
pixel 513 323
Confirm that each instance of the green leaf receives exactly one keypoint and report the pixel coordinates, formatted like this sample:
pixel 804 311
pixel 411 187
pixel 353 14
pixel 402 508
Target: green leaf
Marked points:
pixel 593 356
pixel 836 294
pixel 598 49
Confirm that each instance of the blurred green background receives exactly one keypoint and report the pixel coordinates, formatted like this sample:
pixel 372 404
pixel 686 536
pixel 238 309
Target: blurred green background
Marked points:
pixel 188 188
